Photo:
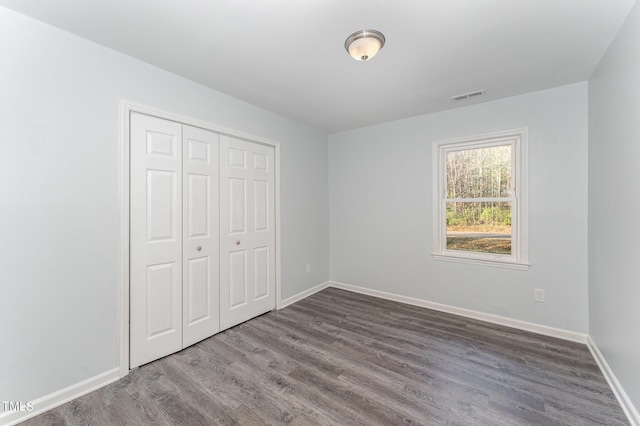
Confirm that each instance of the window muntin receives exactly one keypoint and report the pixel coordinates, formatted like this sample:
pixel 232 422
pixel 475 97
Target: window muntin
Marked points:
pixel 480 199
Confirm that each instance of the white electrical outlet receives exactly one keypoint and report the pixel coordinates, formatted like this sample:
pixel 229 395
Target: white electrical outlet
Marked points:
pixel 308 268
pixel 538 295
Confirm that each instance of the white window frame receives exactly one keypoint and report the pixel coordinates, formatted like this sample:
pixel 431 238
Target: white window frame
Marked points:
pixel 519 257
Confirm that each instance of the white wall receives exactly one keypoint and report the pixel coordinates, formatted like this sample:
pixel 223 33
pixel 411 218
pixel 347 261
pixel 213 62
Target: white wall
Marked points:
pixel 59 119
pixel 380 192
pixel 614 206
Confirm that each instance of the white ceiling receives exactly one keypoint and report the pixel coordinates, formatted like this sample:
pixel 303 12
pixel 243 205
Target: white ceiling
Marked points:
pixel 288 56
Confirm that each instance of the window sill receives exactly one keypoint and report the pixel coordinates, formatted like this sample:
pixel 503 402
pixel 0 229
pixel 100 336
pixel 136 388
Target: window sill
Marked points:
pixel 494 263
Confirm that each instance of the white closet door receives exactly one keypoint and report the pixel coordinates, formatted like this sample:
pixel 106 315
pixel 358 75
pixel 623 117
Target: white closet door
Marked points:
pixel 201 252
pixel 156 239
pixel 247 230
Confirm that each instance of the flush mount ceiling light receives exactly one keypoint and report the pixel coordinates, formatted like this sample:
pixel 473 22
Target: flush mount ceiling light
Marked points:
pixel 364 44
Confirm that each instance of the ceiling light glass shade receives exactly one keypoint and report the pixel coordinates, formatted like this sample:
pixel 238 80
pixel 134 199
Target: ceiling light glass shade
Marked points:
pixel 364 44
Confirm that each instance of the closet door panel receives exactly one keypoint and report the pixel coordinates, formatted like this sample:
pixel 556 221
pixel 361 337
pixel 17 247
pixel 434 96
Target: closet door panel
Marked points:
pixel 261 266
pixel 236 206
pixel 237 279
pixel 155 240
pixel 200 307
pixel 247 239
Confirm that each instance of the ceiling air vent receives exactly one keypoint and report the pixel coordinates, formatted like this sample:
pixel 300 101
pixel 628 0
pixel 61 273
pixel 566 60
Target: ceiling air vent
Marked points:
pixel 467 95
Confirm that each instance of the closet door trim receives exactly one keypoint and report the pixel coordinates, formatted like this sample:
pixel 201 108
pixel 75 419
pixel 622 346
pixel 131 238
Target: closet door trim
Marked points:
pixel 124 161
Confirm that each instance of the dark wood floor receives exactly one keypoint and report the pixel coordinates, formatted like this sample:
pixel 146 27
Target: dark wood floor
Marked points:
pixel 340 358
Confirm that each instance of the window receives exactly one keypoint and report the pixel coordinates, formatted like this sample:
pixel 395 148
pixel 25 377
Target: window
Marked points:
pixel 480 200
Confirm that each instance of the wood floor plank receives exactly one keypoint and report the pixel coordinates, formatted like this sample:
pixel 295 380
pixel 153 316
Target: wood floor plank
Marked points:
pixel 342 358
pixel 371 378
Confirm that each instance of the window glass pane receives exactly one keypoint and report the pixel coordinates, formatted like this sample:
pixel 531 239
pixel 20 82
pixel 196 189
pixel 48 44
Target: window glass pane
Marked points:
pixel 479 227
pixel 479 173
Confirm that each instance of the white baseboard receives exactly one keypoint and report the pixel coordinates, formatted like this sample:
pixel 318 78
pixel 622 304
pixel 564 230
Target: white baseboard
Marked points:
pixel 614 384
pixel 47 402
pixel 495 319
pixel 303 294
